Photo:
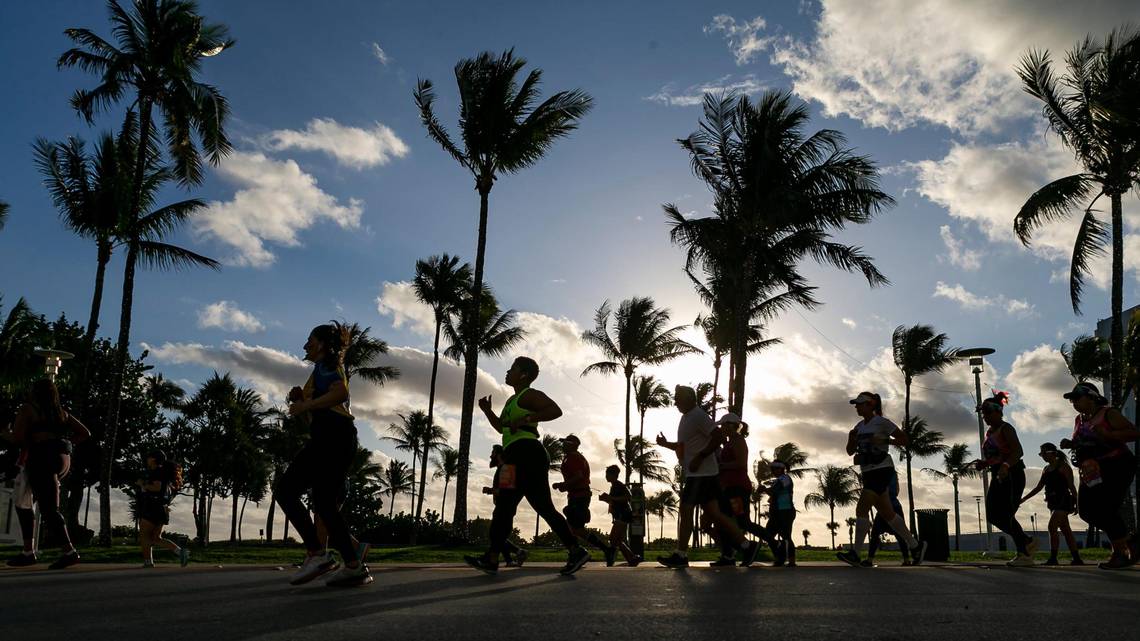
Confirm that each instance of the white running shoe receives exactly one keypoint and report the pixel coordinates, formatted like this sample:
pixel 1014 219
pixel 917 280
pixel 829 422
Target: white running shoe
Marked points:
pixel 348 577
pixel 1021 561
pixel 313 567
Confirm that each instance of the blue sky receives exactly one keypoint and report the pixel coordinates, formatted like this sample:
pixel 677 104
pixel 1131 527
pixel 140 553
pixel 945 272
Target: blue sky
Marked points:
pixel 334 192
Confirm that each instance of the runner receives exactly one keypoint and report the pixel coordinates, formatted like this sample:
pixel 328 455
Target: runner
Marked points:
pixel 526 468
pixel 513 555
pixel 322 464
pixel 1061 499
pixel 47 431
pixel 618 499
pixel 782 514
pixel 1107 467
pixel 869 442
pixel 697 438
pixel 159 485
pixel 736 487
pixel 880 527
pixel 1001 454
pixel 576 484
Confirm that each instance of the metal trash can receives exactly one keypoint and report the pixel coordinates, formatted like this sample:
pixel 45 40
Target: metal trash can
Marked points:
pixel 933 529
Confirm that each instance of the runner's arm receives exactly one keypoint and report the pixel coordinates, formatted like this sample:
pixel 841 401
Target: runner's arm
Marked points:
pixel 1122 429
pixel 899 438
pixel 540 407
pixel 852 437
pixel 1040 484
pixel 1068 473
pixel 79 431
pixel 337 394
pixel 665 443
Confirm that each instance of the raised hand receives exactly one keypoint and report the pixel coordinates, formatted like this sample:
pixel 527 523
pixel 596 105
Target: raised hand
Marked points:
pixel 485 404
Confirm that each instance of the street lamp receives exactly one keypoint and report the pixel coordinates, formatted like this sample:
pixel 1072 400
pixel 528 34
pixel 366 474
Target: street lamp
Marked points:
pixel 977 362
pixel 53 360
pixel 978 500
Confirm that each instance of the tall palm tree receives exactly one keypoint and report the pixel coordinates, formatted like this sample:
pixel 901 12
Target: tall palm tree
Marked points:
pixel 924 442
pixel 805 533
pixel 1092 108
pixel 955 466
pixel 409 436
pixel 918 350
pixel 440 283
pixel 1088 358
pixel 360 357
pixel 649 393
pixel 707 398
pixel 397 479
pixel 504 129
pixel 20 326
pixel 641 336
pixel 719 331
pixel 851 530
pixel 836 487
pixel 496 331
pixel 778 195
pixel 433 439
pixel 662 504
pixel 446 465
pixel 645 460
pixel 790 455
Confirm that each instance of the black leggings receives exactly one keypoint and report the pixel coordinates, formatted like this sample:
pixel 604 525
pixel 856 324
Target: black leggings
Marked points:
pixel 320 467
pixel 1002 503
pixel 1099 505
pixel 532 482
pixel 47 463
pixel 743 521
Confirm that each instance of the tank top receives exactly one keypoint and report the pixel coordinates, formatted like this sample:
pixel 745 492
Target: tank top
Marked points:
pixel 782 491
pixel 512 412
pixel 319 383
pixel 1056 487
pixel 1089 444
pixel 736 477
pixel 995 449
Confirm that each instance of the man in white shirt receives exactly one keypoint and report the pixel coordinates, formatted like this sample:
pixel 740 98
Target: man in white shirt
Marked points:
pixel 697 440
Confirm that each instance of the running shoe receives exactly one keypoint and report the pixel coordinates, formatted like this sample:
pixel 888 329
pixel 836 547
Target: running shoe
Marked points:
pixel 509 561
pixel 868 563
pixel 520 558
pixel 1052 561
pixel 906 562
pixel 22 560
pixel 183 556
pixel 347 577
pixel 723 562
pixel 313 567
pixel 1077 561
pixel 674 560
pixel 65 561
pixel 918 553
pixel 482 564
pixel 147 564
pixel 634 562
pixel 750 554
pixel 1021 561
pixel 574 561
pixel 850 557
pixel 1115 562
pixel 611 556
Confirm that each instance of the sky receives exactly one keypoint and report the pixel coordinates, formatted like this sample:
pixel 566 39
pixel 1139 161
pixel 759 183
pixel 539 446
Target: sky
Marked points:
pixel 333 192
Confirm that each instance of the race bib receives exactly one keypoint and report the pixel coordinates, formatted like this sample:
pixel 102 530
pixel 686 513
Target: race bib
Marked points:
pixel 1090 473
pixel 507 478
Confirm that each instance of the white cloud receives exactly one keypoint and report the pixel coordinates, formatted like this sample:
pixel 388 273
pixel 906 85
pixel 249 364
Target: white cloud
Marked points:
pixel 743 39
pixel 399 301
pixel 695 94
pixel 275 200
pixel 555 341
pixel 351 146
pixel 225 314
pixel 851 324
pixel 899 63
pixel 380 54
pixel 957 253
pixel 1037 380
pixel 971 301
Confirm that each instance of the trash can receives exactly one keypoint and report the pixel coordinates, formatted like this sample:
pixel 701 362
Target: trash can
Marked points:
pixel 933 530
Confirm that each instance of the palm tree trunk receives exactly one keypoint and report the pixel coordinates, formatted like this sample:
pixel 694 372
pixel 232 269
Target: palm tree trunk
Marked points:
pixel 423 481
pixel 234 516
pixel 121 355
pixel 471 366
pixel 628 393
pixel 537 519
pixel 832 506
pixel 269 519
pixel 909 485
pixel 1116 336
pixel 716 382
pixel 431 400
pixel 241 517
pixel 641 436
pixel 443 507
pixel 209 516
pixel 391 504
pixel 957 521
pixel 285 533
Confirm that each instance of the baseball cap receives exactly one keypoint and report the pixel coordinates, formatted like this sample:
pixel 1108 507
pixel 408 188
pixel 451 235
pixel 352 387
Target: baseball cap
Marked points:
pixel 1048 447
pixel 570 438
pixel 728 418
pixel 1083 389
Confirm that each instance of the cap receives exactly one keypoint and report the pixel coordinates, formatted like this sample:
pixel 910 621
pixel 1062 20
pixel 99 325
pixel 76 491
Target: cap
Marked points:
pixel 570 438
pixel 728 418
pixel 1083 389
pixel 1048 447
pixel 863 397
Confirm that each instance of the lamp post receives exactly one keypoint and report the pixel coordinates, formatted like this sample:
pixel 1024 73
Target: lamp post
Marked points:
pixel 53 360
pixel 978 501
pixel 977 363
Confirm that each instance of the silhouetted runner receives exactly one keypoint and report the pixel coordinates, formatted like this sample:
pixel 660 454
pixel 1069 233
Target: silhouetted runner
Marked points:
pixel 1060 499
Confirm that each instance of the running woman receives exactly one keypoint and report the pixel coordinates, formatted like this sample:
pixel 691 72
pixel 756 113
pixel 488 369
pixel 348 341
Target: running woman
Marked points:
pixel 576 484
pixel 782 514
pixel 513 555
pixel 697 440
pixel 526 468
pixel 322 464
pixel 736 487
pixel 869 442
pixel 48 432
pixel 618 499
pixel 1061 499
pixel 1001 455
pixel 157 488
pixel 1099 443
pixel 880 527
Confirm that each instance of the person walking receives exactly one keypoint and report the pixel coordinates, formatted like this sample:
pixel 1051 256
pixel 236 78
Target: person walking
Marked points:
pixel 157 488
pixel 526 468
pixel 618 499
pixel 575 483
pixel 697 440
pixel 736 487
pixel 1002 456
pixel 1100 450
pixel 782 514
pixel 1060 499
pixel 321 467
pixel 869 442
pixel 513 555
pixel 880 526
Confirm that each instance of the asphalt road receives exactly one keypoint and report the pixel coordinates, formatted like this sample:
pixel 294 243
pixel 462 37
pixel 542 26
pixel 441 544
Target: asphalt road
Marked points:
pixel 451 603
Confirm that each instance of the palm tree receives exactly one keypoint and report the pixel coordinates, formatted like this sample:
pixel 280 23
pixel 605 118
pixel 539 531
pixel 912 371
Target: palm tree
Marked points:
pixel 1088 358
pixel 446 467
pixel 661 504
pixel 641 336
pixel 433 439
pixel 648 394
pixel 806 533
pixel 503 131
pixel 646 461
pixel 440 283
pixel 790 455
pixel 396 479
pixel 778 195
pixel 707 398
pixel 497 331
pixel 851 530
pixel 1092 108
pixel 955 466
pixel 918 350
pixel 719 333
pixel 409 436
pixel 3 213
pixel 360 357
pixel 20 326
pixel 836 487
pixel 924 442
